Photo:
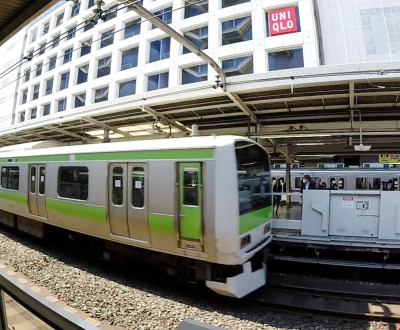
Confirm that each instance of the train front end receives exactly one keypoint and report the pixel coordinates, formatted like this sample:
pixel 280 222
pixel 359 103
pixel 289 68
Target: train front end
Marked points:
pixel 244 216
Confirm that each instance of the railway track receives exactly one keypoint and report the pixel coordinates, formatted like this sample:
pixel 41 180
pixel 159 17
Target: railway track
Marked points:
pixel 379 302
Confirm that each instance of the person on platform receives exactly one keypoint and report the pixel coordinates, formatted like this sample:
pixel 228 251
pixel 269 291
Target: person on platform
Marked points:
pixel 307 183
pixel 278 187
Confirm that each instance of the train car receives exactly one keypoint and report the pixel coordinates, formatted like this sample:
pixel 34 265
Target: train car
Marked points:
pixel 189 204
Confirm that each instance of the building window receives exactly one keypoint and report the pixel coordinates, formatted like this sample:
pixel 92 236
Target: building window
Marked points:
pixel 127 88
pixel 159 49
pixel 104 67
pixel 49 86
pixel 129 58
pixel 45 28
pixel 33 113
pixel 381 30
pixel 80 100
pixel 71 33
pixel 73 182
pixel 236 30
pixel 165 15
pixel 10 177
pixel 33 35
pixel 86 46
pixel 67 55
pixel 283 21
pixel 46 109
pixel 52 62
pixel 157 81
pixel 82 74
pixel 59 19
pixel 42 48
pixel 64 80
pixel 288 59
pixel 56 41
pixel 194 74
pixel 90 3
pixel 198 37
pixel 238 66
pixel 27 74
pixel 228 3
pixel 195 8
pixel 88 25
pixel 39 69
pixel 101 95
pixel 107 38
pixel 24 96
pixel 132 28
pixel 35 92
pixel 110 13
pixel 22 116
pixel 61 105
pixel 75 9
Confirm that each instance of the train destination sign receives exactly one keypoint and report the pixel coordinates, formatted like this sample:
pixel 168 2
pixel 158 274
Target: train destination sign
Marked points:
pixel 282 21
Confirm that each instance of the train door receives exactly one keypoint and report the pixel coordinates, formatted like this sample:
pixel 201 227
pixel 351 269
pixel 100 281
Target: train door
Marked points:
pixel 190 206
pixel 127 202
pixel 37 197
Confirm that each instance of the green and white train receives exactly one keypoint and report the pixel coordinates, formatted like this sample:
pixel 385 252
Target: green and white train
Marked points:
pixel 190 204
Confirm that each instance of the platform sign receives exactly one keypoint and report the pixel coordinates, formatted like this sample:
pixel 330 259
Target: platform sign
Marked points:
pixel 394 158
pixel 282 21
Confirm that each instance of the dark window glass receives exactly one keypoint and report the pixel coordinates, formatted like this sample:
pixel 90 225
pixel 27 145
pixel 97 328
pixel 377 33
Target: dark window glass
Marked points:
pixel 33 180
pixel 61 105
pixel 191 187
pixel 86 47
pixel 64 80
pixel 194 74
pixel 138 187
pixel 22 117
pixel 82 74
pixel 27 74
pixel 33 113
pixel 110 13
pixel 45 28
pixel 35 94
pixel 118 186
pixel 73 182
pixel 39 69
pixel 292 58
pixel 132 28
pixel 198 37
pixel 56 41
pixel 67 55
pixel 49 86
pixel 46 109
pixel 75 9
pixel 165 15
pixel 107 38
pixel 228 3
pixel 71 33
pixel 80 100
pixel 90 3
pixel 88 25
pixel 42 176
pixel 60 19
pixel 52 62
pixel 24 96
pixel 104 67
pixel 253 176
pixel 10 177
pixel 129 58
pixel 238 66
pixel 127 88
pixel 236 30
pixel 101 95
pixel 159 49
pixel 42 48
pixel 158 81
pixel 194 8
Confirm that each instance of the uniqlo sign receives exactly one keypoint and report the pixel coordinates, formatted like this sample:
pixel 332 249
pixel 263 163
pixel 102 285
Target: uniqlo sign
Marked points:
pixel 282 21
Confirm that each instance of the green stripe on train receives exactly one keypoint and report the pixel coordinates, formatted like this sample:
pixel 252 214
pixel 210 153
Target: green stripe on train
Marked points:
pixel 82 211
pixel 13 197
pixel 128 155
pixel 254 219
pixel 161 224
pixel 149 154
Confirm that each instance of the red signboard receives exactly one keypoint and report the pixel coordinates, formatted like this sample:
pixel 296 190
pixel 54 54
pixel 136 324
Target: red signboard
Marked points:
pixel 282 21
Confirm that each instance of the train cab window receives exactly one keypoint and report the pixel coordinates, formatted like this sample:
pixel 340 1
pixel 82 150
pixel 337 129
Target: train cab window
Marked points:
pixel 10 177
pixel 32 188
pixel 190 186
pixel 395 184
pixel 73 182
pixel 361 183
pixel 374 184
pixel 341 183
pixel 138 184
pixel 118 186
pixel 332 182
pixel 42 174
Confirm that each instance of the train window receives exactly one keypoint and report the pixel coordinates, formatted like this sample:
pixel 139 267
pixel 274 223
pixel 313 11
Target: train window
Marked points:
pixel 10 177
pixel 361 183
pixel 375 183
pixel 73 182
pixel 32 184
pixel 190 187
pixel 138 193
pixel 298 181
pixel 341 183
pixel 42 173
pixel 118 186
pixel 332 182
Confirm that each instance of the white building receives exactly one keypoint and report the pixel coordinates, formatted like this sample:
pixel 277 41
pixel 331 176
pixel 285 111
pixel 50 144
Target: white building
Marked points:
pixel 72 68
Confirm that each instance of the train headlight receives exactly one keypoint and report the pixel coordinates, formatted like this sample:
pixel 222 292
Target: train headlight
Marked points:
pixel 267 228
pixel 245 240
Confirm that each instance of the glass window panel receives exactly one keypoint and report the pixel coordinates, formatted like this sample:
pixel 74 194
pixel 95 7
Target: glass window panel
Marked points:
pixel 118 186
pixel 127 88
pixel 289 59
pixel 138 187
pixel 157 81
pixel 190 187
pixel 129 59
pixel 32 180
pixel 73 182
pixel 101 95
pixel 42 175
pixel 132 28
pixel 10 177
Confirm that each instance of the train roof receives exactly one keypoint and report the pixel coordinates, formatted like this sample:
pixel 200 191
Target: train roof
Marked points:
pixel 197 142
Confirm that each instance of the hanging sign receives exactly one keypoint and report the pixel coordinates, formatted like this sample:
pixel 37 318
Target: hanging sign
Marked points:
pixel 395 158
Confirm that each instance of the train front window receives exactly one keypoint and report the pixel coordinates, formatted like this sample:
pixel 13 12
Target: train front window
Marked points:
pixel 254 179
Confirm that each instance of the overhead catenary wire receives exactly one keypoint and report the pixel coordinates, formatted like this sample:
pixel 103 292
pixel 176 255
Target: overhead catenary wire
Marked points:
pixel 129 2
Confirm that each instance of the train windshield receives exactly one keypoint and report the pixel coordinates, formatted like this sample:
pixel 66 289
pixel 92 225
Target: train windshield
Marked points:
pixel 254 178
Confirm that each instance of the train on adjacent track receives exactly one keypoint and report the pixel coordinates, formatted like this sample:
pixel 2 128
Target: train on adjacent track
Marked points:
pixel 188 205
